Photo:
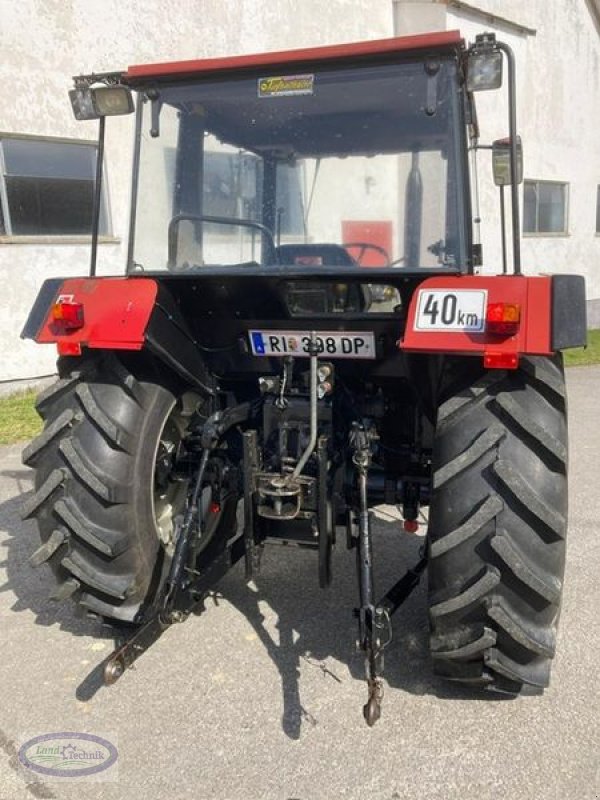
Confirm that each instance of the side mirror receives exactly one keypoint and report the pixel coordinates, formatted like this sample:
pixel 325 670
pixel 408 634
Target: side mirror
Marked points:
pixel 501 161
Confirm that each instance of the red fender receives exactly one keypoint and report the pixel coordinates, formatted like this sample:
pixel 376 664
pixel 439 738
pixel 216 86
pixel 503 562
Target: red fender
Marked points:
pixel 115 313
pixel 533 336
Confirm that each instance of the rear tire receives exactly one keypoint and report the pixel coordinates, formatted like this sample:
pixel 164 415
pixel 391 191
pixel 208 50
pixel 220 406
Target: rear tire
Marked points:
pixel 103 500
pixel 497 527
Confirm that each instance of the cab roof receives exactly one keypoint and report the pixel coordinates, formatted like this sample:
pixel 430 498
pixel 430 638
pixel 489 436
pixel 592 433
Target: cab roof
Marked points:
pixel 286 59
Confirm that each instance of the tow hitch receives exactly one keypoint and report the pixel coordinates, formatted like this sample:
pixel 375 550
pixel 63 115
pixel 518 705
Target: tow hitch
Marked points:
pixel 374 619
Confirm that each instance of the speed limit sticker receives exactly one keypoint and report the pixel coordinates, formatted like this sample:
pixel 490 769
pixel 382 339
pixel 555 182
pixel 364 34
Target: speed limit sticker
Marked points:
pixel 451 310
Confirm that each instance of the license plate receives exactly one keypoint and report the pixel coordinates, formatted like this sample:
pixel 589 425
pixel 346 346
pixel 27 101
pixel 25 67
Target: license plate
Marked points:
pixel 334 344
pixel 451 310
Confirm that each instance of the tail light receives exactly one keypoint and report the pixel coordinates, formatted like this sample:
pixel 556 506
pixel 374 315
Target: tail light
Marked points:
pixel 503 318
pixel 67 315
pixel 501 360
pixel 68 348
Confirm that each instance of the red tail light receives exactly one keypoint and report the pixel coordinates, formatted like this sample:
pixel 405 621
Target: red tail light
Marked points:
pixel 67 348
pixel 503 318
pixel 67 315
pixel 501 360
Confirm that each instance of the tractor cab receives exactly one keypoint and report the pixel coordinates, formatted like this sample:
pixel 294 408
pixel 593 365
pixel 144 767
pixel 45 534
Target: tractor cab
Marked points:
pixel 330 163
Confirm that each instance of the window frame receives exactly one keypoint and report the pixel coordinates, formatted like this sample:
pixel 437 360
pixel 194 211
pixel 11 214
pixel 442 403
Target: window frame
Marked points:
pixel 8 237
pixel 538 233
pixel 598 209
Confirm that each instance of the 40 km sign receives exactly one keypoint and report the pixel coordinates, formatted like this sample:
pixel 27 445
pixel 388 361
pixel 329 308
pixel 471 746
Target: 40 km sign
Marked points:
pixel 456 310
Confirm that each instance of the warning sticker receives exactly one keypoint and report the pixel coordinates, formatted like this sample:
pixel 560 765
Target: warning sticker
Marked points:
pixel 286 85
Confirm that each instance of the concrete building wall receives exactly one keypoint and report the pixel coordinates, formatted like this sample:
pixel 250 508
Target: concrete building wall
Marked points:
pixel 45 42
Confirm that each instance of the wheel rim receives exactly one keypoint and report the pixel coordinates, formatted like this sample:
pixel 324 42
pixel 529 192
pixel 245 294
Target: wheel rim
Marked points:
pixel 168 495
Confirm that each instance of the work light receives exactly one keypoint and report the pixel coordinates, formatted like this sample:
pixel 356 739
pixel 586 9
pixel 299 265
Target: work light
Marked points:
pixel 103 101
pixel 484 67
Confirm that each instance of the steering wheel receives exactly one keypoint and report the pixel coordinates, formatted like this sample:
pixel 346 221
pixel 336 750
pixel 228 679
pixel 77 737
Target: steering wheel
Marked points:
pixel 233 221
pixel 364 247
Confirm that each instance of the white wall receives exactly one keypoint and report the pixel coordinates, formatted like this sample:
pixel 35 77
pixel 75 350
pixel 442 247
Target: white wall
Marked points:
pixel 46 42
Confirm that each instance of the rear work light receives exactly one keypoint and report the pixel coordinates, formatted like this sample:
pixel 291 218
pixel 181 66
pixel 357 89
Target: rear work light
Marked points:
pixel 503 318
pixel 67 315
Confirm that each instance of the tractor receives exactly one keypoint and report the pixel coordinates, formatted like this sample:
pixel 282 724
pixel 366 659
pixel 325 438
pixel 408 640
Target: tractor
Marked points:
pixel 305 331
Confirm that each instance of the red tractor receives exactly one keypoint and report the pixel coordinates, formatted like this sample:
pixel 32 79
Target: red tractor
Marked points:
pixel 256 377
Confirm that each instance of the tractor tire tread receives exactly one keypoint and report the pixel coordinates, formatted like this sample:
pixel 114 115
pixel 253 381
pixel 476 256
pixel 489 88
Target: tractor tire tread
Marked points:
pixel 469 595
pixel 547 586
pixel 46 550
pixel 55 479
pixel 490 508
pixel 484 442
pixel 529 499
pixel 475 647
pixel 84 470
pixel 457 407
pixel 535 674
pixel 115 435
pixel 116 586
pixel 50 432
pixel 106 541
pixel 83 502
pixel 497 527
pixel 533 638
pixel 555 448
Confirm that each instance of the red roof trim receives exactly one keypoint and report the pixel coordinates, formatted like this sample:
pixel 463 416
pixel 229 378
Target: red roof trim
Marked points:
pixel 286 58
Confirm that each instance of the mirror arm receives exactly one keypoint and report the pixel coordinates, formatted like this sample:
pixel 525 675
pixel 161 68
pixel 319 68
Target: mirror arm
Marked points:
pixel 135 173
pixel 97 196
pixel 512 124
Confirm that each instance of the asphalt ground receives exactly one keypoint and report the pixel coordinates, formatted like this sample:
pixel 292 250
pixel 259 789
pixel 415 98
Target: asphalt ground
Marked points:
pixel 261 695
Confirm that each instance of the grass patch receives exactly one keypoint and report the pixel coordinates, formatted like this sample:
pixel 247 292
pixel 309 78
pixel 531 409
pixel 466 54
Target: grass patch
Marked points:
pixel 19 421
pixel 580 356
